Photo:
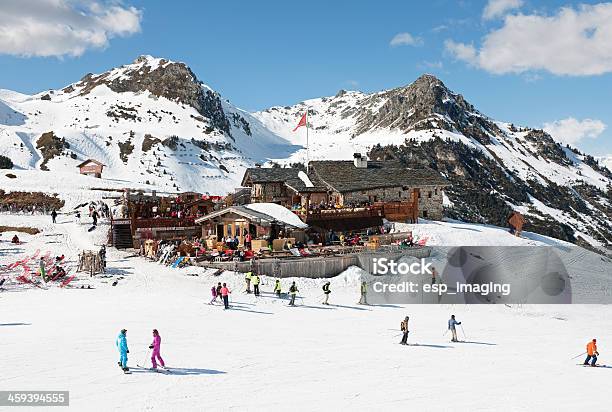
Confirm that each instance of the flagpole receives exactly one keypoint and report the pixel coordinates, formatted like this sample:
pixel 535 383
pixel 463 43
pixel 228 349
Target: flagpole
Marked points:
pixel 307 151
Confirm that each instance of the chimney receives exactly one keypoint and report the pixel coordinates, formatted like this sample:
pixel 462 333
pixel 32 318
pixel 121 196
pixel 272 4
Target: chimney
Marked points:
pixel 360 161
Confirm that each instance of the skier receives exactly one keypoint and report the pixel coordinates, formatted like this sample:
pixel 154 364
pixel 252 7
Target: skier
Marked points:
pixel 364 290
pixel 404 329
pixel 591 353
pixel 121 343
pixel 155 345
pixel 247 279
pixel 451 326
pixel 277 288
pixel 293 290
pixel 255 280
pixel 94 216
pixel 219 290
pixel 326 291
pixel 213 292
pixel 53 215
pixel 225 296
pixel 102 255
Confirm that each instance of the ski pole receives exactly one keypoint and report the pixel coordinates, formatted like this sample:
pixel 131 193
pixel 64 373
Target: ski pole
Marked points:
pixel 445 332
pixel 462 331
pixel 583 353
pixel 145 359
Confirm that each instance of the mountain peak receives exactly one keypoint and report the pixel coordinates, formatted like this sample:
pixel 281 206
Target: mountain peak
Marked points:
pixel 428 79
pixel 162 78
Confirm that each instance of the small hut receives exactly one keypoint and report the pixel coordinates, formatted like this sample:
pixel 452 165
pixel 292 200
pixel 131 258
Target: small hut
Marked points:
pixel 91 167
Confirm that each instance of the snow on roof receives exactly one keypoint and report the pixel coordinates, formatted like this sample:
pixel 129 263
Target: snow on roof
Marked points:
pixel 90 161
pixel 304 178
pixel 278 212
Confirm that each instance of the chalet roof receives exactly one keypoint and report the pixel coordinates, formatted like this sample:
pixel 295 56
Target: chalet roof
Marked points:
pixel 289 176
pixel 343 176
pixel 92 161
pixel 268 213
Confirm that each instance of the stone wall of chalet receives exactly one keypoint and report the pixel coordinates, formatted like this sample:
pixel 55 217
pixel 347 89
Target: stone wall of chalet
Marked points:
pixel 430 200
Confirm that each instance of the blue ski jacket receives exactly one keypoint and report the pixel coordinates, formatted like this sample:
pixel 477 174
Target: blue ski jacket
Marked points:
pixel 452 323
pixel 121 343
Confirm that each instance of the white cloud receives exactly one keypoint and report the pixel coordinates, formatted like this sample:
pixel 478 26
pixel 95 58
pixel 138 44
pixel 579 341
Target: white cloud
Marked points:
pixel 462 51
pixel 63 27
pixel 498 8
pixel 573 42
pixel 405 39
pixel 572 131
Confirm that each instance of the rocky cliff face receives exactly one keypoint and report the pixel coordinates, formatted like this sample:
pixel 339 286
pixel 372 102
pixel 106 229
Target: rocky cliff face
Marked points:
pixel 162 78
pixel 422 105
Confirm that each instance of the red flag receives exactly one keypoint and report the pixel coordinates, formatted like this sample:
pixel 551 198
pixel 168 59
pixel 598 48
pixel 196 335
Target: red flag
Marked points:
pixel 301 123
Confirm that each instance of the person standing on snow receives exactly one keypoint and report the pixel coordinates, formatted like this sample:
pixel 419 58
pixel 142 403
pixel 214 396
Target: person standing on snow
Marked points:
pixel 225 296
pixel 53 215
pixel 293 290
pixel 364 290
pixel 247 278
pixel 155 345
pixel 42 269
pixel 122 346
pixel 102 255
pixel 451 326
pixel 213 292
pixel 255 280
pixel 326 291
pixel 277 288
pixel 404 329
pixel 591 353
pixel 219 290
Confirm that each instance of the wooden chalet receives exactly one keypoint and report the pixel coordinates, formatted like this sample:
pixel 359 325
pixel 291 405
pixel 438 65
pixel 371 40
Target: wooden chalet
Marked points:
pixel 351 194
pixel 91 167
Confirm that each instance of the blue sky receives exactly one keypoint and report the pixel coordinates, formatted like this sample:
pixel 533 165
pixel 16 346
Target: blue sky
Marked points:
pixel 531 63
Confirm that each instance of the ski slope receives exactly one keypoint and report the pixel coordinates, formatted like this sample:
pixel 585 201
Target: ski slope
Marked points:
pixel 264 355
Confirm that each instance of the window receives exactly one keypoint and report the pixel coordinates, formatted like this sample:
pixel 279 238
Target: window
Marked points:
pixel 429 194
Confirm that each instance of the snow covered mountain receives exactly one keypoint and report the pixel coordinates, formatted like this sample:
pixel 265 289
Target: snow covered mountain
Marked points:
pixel 151 123
pixel 494 167
pixel 156 126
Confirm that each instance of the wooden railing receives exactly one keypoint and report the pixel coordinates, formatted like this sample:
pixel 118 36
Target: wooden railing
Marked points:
pixel 164 222
pixel 343 213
